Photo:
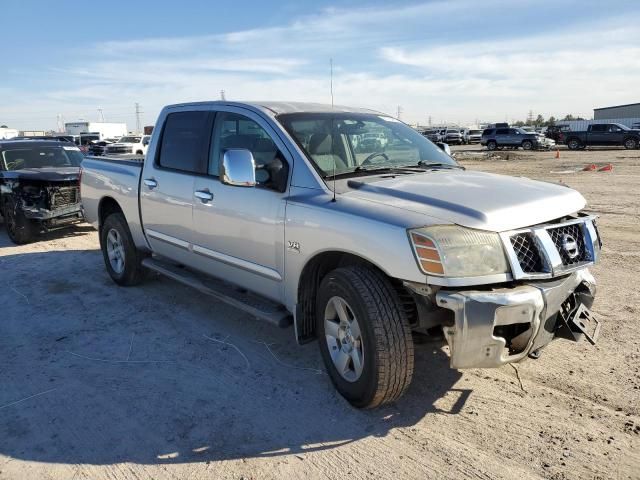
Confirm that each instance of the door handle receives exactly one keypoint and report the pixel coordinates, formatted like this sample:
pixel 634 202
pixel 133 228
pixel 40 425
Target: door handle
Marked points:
pixel 150 182
pixel 204 195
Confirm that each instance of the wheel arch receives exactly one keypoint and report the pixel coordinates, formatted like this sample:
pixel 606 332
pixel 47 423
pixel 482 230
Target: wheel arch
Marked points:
pixel 311 275
pixel 106 207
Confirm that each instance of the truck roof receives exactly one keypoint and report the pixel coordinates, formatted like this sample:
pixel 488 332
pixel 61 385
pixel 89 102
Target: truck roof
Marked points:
pixel 277 108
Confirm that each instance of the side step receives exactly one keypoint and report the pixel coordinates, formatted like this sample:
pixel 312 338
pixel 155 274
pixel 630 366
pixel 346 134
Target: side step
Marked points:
pixel 241 299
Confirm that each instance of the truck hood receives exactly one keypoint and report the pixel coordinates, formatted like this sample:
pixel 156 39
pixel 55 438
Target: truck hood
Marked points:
pixel 472 199
pixel 46 174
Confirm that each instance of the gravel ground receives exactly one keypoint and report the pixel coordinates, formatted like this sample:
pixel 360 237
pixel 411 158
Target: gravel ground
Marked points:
pixel 156 381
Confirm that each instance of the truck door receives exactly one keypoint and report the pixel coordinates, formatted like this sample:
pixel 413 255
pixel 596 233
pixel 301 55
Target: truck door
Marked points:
pixel 598 135
pixel 616 135
pixel 239 231
pixel 167 185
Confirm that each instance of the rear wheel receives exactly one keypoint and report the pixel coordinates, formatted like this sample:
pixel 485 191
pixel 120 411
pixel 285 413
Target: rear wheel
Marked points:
pixel 491 145
pixel 364 335
pixel 122 259
pixel 630 144
pixel 574 144
pixel 19 228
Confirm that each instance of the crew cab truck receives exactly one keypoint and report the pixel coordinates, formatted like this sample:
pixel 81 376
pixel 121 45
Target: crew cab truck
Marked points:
pixel 604 134
pixel 271 208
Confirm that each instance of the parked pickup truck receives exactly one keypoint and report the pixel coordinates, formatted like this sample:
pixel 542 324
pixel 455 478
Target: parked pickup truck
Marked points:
pixel 270 208
pixel 603 134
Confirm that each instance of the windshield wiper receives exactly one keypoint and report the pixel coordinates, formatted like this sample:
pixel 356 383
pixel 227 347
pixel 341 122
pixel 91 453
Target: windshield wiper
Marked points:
pixel 422 163
pixel 373 169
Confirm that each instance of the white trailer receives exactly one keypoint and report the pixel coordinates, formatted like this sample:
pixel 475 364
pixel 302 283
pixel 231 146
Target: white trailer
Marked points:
pixel 105 130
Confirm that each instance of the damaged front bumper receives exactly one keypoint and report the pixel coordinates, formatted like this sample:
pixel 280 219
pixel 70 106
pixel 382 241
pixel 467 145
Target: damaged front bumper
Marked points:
pixel 494 327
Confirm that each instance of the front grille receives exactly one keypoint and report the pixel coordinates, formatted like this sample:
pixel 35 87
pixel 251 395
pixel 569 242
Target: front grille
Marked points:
pixel 527 252
pixel 569 240
pixel 64 196
pixel 119 149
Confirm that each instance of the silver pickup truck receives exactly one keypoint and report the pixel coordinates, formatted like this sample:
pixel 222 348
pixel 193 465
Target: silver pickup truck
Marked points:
pixel 286 211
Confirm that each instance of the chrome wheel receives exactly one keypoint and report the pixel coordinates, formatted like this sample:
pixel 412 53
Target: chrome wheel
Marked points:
pixel 115 251
pixel 344 339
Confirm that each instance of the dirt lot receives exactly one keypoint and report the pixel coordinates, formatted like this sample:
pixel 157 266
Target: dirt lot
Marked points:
pixel 106 382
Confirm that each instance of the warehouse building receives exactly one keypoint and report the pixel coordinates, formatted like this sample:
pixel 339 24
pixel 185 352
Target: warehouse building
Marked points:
pixel 631 110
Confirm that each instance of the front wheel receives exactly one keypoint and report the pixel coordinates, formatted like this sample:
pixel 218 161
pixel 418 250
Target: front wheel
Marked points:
pixel 19 228
pixel 630 144
pixel 122 259
pixel 365 337
pixel 527 145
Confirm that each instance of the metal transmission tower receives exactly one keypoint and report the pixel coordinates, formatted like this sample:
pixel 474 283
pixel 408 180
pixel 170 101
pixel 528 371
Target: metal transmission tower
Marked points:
pixel 399 112
pixel 138 112
pixel 222 95
pixel 100 115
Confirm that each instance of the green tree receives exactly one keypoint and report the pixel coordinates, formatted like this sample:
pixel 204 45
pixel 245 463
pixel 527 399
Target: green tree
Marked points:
pixel 568 117
pixel 551 121
pixel 539 120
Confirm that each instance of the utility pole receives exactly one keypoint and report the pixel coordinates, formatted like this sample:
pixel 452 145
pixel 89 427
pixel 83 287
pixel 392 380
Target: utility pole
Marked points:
pixel 429 120
pixel 138 112
pixel 222 96
pixel 100 115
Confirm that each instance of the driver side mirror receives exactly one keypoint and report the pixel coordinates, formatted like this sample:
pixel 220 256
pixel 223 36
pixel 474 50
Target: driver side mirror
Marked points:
pixel 444 147
pixel 238 168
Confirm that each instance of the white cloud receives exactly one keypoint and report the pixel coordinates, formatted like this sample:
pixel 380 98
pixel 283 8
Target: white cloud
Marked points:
pixel 383 56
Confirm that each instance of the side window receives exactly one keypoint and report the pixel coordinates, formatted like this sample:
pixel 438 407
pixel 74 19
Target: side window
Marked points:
pixel 513 131
pixel 614 128
pixel 232 130
pixel 598 128
pixel 184 141
pixel 502 131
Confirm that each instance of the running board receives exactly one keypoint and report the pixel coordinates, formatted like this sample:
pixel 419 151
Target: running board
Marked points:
pixel 239 298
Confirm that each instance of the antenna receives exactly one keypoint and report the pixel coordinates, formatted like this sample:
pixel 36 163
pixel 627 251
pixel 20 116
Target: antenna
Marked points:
pixel 331 81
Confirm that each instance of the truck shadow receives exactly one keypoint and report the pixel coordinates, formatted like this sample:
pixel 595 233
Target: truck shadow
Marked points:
pixel 98 374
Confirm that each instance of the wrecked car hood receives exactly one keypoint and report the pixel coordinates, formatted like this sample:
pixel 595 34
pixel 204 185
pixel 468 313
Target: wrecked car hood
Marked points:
pixel 46 174
pixel 472 199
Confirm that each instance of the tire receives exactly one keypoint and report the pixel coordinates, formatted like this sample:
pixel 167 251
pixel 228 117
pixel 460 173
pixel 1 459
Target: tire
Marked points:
pixel 574 144
pixel 527 145
pixel 121 257
pixel 378 335
pixel 630 143
pixel 139 152
pixel 491 145
pixel 19 228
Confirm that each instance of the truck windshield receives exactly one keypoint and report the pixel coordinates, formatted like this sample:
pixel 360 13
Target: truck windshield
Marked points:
pixel 41 157
pixel 349 142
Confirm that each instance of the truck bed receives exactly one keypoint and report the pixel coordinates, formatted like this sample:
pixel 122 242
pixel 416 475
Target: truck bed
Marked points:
pixel 117 178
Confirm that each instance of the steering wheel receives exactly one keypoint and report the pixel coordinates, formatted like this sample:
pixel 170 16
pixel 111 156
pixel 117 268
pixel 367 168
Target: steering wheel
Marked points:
pixel 374 155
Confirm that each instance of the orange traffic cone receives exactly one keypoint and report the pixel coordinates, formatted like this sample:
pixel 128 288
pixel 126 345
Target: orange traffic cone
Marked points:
pixel 606 168
pixel 590 168
pixel 557 152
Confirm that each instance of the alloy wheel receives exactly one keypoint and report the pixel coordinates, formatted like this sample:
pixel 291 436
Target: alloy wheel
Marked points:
pixel 344 339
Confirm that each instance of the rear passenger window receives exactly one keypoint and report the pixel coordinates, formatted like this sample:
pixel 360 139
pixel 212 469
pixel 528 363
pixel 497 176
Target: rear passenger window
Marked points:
pixel 502 131
pixel 598 128
pixel 185 140
pixel 488 131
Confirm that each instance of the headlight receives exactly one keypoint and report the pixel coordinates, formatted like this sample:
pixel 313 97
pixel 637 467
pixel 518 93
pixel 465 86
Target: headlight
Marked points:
pixel 453 251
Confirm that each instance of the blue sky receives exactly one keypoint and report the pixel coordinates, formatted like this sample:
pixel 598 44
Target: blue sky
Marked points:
pixel 456 60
